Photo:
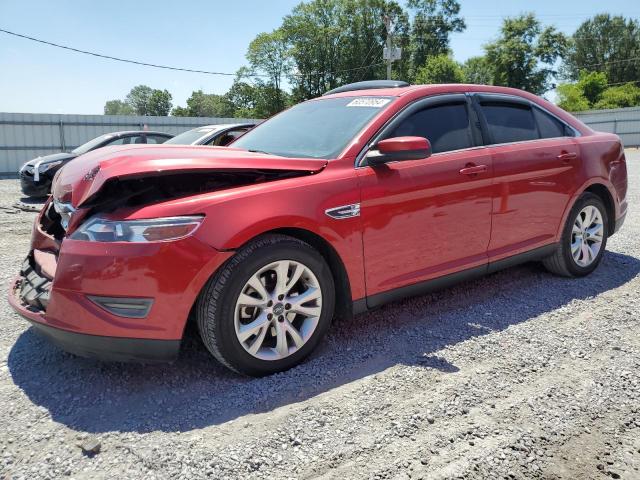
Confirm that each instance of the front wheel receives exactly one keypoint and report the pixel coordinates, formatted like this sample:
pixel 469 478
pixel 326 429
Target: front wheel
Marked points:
pixel 584 239
pixel 268 307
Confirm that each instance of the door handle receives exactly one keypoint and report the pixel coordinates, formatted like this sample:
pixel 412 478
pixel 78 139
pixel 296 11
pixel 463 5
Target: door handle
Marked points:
pixel 565 157
pixel 474 169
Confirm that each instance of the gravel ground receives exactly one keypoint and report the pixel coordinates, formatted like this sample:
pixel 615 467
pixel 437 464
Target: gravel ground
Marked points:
pixel 517 375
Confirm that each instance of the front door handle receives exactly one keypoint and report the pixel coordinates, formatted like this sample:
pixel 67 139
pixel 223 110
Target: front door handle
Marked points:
pixel 474 169
pixel 566 157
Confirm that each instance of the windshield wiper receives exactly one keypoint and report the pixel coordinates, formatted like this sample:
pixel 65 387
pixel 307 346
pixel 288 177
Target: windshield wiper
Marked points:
pixel 258 151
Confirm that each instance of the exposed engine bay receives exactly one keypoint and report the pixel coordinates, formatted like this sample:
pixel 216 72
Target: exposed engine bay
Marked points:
pixel 137 191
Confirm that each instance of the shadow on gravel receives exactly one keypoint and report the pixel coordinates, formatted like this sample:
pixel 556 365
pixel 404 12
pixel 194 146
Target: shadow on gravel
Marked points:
pixel 196 392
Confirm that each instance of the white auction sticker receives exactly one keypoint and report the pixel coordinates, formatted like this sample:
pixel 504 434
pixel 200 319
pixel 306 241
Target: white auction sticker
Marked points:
pixel 368 102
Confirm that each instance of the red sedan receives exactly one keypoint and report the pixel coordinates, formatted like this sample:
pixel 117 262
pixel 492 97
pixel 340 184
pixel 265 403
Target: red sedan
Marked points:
pixel 333 207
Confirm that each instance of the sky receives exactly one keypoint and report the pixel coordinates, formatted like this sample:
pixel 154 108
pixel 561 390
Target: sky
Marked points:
pixel 197 34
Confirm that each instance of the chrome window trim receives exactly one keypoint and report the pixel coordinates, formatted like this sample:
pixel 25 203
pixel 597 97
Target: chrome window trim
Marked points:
pixel 518 99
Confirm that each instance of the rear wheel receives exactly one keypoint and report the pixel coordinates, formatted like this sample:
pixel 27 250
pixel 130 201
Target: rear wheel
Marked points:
pixel 268 307
pixel 584 239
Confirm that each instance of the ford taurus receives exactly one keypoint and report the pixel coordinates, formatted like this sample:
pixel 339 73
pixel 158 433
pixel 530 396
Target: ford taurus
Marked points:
pixel 370 193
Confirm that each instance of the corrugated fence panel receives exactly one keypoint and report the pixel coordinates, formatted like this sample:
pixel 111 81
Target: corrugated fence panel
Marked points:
pixel 24 136
pixel 624 122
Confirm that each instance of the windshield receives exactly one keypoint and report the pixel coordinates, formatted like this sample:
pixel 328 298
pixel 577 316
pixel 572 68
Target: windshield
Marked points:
pixel 190 136
pixel 317 129
pixel 91 144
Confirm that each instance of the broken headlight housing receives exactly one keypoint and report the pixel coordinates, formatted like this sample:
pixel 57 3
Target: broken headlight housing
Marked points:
pixel 100 229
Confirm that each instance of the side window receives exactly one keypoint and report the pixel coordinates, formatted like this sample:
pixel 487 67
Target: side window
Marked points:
pixel 117 141
pixel 549 126
pixel 445 126
pixel 137 139
pixel 510 122
pixel 227 137
pixel 156 139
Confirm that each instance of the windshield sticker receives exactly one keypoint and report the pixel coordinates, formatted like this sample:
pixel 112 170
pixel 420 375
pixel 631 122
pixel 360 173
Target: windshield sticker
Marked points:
pixel 368 102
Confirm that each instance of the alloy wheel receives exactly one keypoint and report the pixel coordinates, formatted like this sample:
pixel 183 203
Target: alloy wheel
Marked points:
pixel 278 310
pixel 587 236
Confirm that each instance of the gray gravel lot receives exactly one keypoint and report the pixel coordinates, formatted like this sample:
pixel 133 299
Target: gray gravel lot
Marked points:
pixel 517 375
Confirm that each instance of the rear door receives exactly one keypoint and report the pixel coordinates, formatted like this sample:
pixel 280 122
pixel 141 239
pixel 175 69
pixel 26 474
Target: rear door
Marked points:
pixel 429 217
pixel 534 163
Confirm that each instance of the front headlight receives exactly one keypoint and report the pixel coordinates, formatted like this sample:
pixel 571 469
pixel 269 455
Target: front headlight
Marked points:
pixel 99 229
pixel 48 166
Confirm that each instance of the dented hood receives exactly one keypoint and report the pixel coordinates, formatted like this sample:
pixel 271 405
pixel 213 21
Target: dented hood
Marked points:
pixel 82 178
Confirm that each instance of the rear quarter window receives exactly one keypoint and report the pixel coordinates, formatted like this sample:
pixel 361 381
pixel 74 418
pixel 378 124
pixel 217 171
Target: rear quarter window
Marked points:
pixel 549 126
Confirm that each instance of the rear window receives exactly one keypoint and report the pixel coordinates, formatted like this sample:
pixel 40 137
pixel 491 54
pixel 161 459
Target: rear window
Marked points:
pixel 549 126
pixel 445 126
pixel 510 122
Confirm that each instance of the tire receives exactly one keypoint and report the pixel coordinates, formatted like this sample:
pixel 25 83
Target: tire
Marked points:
pixel 562 262
pixel 221 315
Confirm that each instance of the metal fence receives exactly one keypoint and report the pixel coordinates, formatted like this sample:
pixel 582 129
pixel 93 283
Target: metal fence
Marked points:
pixel 24 136
pixel 624 122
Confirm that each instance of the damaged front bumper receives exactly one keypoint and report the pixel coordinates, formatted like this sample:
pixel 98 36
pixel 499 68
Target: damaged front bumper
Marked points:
pixel 75 293
pixel 94 346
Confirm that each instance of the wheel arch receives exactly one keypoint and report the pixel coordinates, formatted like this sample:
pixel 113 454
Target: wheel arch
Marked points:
pixel 344 303
pixel 600 187
pixel 343 299
pixel 603 192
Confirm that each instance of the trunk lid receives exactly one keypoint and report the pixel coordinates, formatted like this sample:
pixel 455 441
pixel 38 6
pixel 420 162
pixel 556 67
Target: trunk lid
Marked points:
pixel 81 179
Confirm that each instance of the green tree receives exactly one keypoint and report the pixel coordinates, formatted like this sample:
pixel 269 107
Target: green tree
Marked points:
pixel 592 85
pixel 571 97
pixel 592 91
pixel 332 42
pixel 268 54
pixel 201 104
pixel 433 22
pixel 440 69
pixel 138 99
pixel 524 54
pixel 478 70
pixel 252 98
pixel 620 96
pixel 605 44
pixel 117 107
pixel 159 103
pixel 180 111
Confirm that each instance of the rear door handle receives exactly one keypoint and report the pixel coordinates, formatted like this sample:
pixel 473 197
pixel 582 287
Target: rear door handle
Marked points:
pixel 565 157
pixel 474 169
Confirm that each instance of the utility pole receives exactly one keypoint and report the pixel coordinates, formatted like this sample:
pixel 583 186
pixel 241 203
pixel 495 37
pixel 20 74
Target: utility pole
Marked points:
pixel 390 53
pixel 387 23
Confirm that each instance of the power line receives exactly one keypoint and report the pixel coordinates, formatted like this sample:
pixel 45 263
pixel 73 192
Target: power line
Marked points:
pixel 632 59
pixel 167 67
pixel 117 59
pixel 622 83
pixel 207 72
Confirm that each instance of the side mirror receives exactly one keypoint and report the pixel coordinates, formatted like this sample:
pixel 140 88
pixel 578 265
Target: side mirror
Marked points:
pixel 398 149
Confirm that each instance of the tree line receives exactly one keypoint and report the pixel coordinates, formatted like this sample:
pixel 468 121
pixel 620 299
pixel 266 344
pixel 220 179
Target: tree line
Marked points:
pixel 323 44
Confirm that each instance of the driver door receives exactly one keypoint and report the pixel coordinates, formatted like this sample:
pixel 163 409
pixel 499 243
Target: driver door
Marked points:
pixel 430 217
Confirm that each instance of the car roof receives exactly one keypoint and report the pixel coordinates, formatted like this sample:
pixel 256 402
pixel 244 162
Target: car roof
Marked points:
pixel 431 89
pixel 415 92
pixel 137 132
pixel 220 126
